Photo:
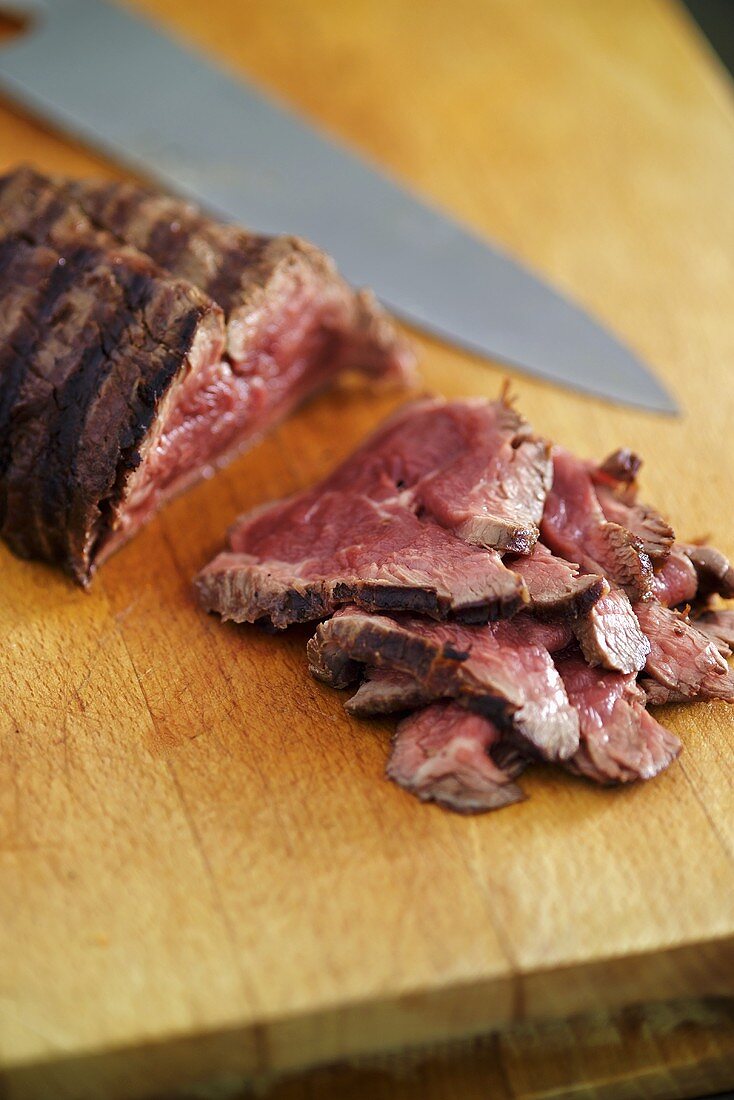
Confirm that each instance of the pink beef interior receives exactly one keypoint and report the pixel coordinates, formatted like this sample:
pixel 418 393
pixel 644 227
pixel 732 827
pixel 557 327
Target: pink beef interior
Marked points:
pixel 218 408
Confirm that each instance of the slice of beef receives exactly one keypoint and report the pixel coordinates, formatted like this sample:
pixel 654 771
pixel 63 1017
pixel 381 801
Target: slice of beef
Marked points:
pixel 718 625
pixel 555 588
pixel 682 659
pixel 714 571
pixel 574 527
pixel 620 740
pixel 615 482
pixel 371 533
pixel 657 695
pixel 610 635
pixel 101 360
pixel 301 559
pixel 654 534
pixel 693 573
pixel 443 754
pixel 675 581
pixel 385 691
pixel 502 671
pixel 473 465
pixel 619 470
pixel 292 322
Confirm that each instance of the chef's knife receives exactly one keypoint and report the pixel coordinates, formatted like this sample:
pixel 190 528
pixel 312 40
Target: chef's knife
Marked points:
pixel 113 79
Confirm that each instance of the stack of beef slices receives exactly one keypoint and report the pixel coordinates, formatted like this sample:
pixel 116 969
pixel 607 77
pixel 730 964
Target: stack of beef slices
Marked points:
pixel 144 344
pixel 514 601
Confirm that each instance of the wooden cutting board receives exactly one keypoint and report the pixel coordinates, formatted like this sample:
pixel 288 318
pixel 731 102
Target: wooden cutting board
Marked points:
pixel 203 873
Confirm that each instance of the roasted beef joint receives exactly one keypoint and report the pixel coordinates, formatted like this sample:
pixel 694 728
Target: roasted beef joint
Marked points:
pixel 142 345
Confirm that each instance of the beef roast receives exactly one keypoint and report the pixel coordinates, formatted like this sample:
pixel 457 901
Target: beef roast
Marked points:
pixel 503 671
pixel 443 754
pixel 96 338
pixel 97 353
pixel 381 532
pixel 292 322
pixel 620 740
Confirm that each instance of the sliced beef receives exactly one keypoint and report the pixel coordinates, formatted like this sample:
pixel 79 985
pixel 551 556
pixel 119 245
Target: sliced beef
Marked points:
pixel 615 482
pixel 653 534
pixel 657 695
pixel 574 526
pixel 620 740
pixel 385 691
pixel 682 659
pixel 503 671
pixel 443 754
pixel 693 573
pixel 292 322
pixel 473 465
pixel 301 559
pixel 101 357
pixel 718 626
pixel 555 588
pixel 619 470
pixel 676 581
pixel 713 569
pixel 610 635
pixel 378 531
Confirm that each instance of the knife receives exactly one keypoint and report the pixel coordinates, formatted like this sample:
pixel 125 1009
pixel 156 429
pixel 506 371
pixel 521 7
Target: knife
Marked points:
pixel 113 79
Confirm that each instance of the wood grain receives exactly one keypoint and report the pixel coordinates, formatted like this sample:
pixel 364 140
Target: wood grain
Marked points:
pixel 202 871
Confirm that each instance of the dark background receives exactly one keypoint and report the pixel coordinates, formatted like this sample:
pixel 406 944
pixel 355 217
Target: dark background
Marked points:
pixel 716 20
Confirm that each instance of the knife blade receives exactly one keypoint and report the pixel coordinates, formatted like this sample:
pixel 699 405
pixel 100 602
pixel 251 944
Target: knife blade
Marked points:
pixel 113 79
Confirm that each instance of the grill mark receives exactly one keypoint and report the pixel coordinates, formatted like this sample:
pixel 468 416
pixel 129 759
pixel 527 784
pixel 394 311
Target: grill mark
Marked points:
pixel 167 245
pixel 74 400
pixel 110 207
pixel 141 370
pixel 49 223
pixel 39 396
pixel 116 208
pixel 16 354
pixel 233 268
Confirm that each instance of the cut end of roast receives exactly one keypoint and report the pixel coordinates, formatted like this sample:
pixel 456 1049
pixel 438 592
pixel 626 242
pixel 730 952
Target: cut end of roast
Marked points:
pixel 142 345
pixel 95 345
